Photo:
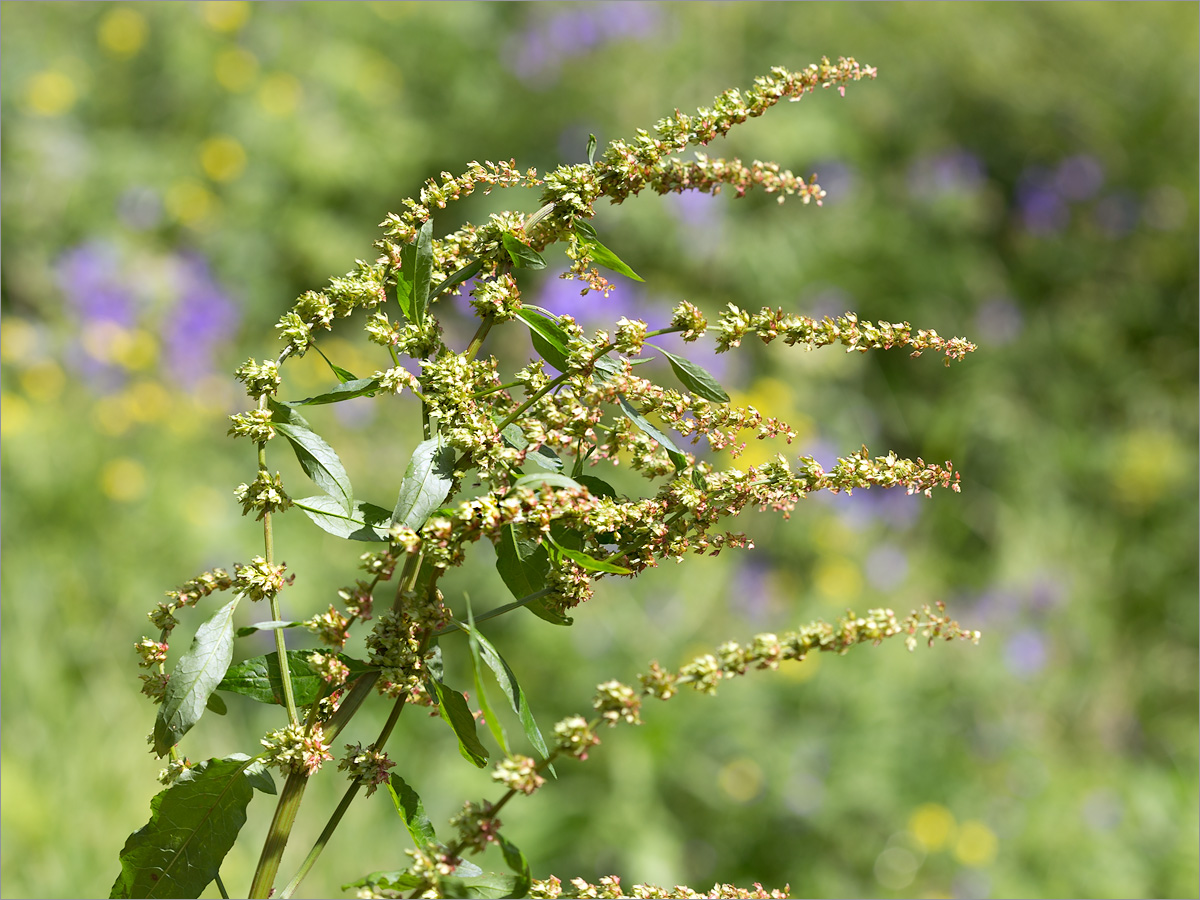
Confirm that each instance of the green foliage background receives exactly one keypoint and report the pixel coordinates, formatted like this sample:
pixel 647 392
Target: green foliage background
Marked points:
pixel 1024 175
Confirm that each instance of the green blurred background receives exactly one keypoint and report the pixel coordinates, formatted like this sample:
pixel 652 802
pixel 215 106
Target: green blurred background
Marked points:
pixel 1024 175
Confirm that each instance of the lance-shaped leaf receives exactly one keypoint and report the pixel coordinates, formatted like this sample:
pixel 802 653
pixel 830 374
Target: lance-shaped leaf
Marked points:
pixel 470 270
pixel 695 378
pixel 597 487
pixel 600 254
pixel 508 683
pixel 452 706
pixel 193 823
pixel 416 273
pixel 674 453
pixel 583 560
pixel 543 456
pixel 195 676
pixel 488 885
pixel 485 706
pixel 537 479
pixel 522 255
pixel 347 390
pixel 426 484
pixel 549 338
pixel 412 811
pixel 523 564
pixel 259 677
pixel 317 458
pixel 517 862
pixel 364 522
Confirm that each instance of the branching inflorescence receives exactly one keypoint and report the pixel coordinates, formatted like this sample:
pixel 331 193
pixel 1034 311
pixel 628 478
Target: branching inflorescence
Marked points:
pixel 529 448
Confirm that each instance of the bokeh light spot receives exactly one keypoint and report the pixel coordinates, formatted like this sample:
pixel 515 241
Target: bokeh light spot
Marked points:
pixel 1148 463
pixel 896 867
pixel 18 341
pixel 147 401
pixel 14 414
pixel 225 15
pixel 741 780
pixel 222 158
pixel 838 579
pixel 123 480
pixel 236 69
pixel 122 31
pixel 933 826
pixel 279 94
pixel 43 381
pixel 976 845
pixel 188 201
pixel 51 93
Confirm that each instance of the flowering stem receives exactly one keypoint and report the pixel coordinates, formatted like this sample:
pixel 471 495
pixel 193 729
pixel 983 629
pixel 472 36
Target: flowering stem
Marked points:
pixel 285 675
pixel 482 332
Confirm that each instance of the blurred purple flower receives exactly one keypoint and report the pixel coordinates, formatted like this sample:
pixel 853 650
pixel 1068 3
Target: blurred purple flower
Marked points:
pixel 1078 177
pixel 90 276
pixel 1043 210
pixel 561 297
pixel 998 321
pixel 1025 653
pixel 203 319
pixel 752 594
pixel 537 53
pixel 945 172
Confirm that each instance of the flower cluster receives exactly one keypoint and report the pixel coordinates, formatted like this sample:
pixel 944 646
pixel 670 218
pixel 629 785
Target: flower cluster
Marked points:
pixel 610 887
pixel 367 766
pixel 616 702
pixel 260 580
pixel 768 324
pixel 297 749
pixel 575 736
pixel 262 379
pixel 518 773
pixel 477 826
pixel 265 493
pixel 255 424
pixel 162 616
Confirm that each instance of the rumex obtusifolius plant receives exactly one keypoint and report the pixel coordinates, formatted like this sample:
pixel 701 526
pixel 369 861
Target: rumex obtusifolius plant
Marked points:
pixel 510 463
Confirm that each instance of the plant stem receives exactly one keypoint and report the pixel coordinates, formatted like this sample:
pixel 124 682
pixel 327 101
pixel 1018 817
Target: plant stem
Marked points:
pixel 285 675
pixel 482 332
pixel 278 833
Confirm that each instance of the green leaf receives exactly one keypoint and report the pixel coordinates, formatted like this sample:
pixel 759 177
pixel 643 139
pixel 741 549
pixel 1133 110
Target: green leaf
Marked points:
pixel 470 270
pixel 387 881
pixel 674 453
pixel 247 630
pixel 416 272
pixel 452 706
pixel 412 811
pixel 347 390
pixel 489 885
pixel 584 561
pixel 600 254
pixel 259 678
pixel 522 255
pixel 195 676
pixel 517 862
pixel 508 683
pixel 537 479
pixel 364 522
pixel 485 706
pixel 591 149
pixel 193 824
pixel 522 564
pixel 543 456
pixel 597 487
pixel 258 776
pixel 695 378
pixel 341 374
pixel 317 458
pixel 216 705
pixel 549 338
pixel 426 484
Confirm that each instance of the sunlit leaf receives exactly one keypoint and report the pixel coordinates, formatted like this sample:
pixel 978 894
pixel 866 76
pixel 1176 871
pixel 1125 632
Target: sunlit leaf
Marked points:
pixel 452 706
pixel 600 254
pixel 193 824
pixel 549 338
pixel 412 811
pixel 259 678
pixel 674 453
pixel 416 272
pixel 695 378
pixel 319 461
pixel 426 484
pixel 522 255
pixel 364 522
pixel 194 677
pixel 347 390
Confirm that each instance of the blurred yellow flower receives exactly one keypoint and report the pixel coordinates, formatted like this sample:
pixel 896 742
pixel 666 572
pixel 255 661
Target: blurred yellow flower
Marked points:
pixel 222 158
pixel 188 201
pixel 976 844
pixel 123 480
pixel 14 414
pixel 933 826
pixel 279 94
pixel 51 93
pixel 18 341
pixel 122 31
pixel 838 579
pixel 147 401
pixel 236 68
pixel 225 15
pixel 43 381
